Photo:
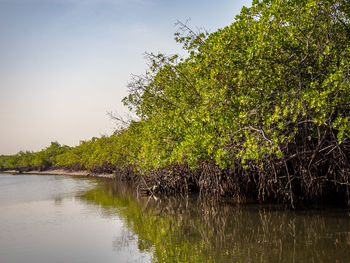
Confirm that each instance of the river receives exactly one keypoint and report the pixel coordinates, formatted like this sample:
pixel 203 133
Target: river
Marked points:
pixel 48 218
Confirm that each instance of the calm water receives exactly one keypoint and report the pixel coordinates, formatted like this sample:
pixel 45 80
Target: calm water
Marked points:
pixel 67 219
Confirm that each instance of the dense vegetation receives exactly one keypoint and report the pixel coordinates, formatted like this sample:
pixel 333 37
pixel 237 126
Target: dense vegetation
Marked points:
pixel 259 109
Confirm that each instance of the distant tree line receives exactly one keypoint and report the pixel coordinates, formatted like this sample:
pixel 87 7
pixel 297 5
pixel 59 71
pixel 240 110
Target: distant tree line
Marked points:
pixel 259 109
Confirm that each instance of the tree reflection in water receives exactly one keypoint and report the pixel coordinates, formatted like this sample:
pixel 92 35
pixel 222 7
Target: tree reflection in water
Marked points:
pixel 190 229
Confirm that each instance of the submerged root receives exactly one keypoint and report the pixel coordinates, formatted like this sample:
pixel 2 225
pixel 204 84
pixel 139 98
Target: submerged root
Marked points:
pixel 317 173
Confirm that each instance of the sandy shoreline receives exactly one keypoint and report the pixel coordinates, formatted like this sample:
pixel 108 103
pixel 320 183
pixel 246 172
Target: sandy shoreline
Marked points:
pixel 63 172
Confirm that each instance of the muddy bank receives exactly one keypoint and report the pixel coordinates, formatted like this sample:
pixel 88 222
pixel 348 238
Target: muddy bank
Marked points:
pixel 63 172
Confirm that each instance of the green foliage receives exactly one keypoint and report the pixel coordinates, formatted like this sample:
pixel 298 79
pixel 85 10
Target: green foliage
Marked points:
pixel 244 91
pixel 118 149
pixel 33 160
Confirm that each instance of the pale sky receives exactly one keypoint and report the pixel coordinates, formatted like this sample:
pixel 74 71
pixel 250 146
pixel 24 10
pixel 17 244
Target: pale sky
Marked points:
pixel 65 63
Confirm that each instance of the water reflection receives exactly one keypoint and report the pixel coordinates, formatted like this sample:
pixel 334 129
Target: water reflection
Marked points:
pixel 192 230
